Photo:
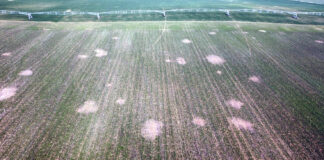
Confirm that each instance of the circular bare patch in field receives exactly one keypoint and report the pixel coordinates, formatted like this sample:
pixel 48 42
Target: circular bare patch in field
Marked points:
pixel 7 92
pixel 27 72
pixel 235 103
pixel 186 41
pixel 213 59
pixel 199 121
pixel 254 79
pixel 121 101
pixel 88 107
pixel 241 124
pixel 115 38
pixel 151 129
pixel 181 61
pixel 319 41
pixel 219 72
pixel 7 54
pixel 100 52
pixel 82 56
pixel 212 33
pixel 262 31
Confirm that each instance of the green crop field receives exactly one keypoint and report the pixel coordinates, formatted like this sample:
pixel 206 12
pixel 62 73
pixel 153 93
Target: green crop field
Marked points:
pixel 167 79
pixel 175 10
pixel 107 5
pixel 161 90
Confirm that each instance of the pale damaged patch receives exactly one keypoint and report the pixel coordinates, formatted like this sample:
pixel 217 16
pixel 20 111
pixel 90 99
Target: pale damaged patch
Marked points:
pixel 88 107
pixel 241 124
pixel 82 56
pixel 101 52
pixel 235 103
pixel 245 32
pixel 109 84
pixel 27 72
pixel 199 121
pixel 68 10
pixel 168 61
pixel 319 41
pixel 8 92
pixel 151 129
pixel 121 101
pixel 7 54
pixel 262 31
pixel 255 79
pixel 212 33
pixel 213 59
pixel 164 30
pixel 115 38
pixel 219 72
pixel 181 61
pixel 186 41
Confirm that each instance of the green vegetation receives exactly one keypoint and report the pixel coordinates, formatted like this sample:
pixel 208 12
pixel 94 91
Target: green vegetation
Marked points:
pixel 178 16
pixel 108 5
pixel 41 121
pixel 32 6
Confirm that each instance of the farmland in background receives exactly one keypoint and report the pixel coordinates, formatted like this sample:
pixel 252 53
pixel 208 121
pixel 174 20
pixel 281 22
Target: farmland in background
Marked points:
pixel 109 5
pixel 158 72
pixel 96 6
pixel 177 16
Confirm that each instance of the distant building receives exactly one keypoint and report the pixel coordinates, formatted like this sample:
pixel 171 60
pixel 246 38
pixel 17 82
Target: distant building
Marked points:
pixel 227 13
pixel 29 16
pixel 295 15
pixel 98 16
pixel 163 14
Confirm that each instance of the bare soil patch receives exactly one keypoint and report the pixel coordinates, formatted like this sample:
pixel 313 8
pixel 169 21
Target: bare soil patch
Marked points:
pixel 168 61
pixel 213 59
pixel 101 52
pixel 82 56
pixel 88 107
pixel 151 129
pixel 235 103
pixel 121 101
pixel 199 121
pixel 7 54
pixel 8 92
pixel 255 79
pixel 186 41
pixel 242 124
pixel 181 61
pixel 27 72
